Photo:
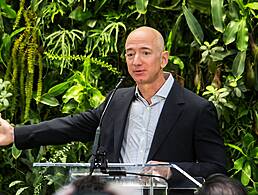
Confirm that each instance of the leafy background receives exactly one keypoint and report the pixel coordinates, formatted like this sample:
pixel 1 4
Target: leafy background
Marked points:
pixel 61 57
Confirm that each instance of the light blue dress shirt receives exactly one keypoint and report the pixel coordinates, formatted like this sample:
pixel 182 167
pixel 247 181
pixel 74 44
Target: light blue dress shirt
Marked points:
pixel 141 124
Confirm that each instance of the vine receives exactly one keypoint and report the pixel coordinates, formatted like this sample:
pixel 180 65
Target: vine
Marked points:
pixel 25 56
pixel 14 66
pixel 22 56
pixel 39 85
pixel 19 14
pixel 83 58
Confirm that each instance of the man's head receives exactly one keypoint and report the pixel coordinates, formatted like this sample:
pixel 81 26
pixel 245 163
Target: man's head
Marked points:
pixel 145 55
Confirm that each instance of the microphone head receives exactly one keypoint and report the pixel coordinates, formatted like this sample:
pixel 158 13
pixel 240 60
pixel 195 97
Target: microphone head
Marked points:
pixel 122 77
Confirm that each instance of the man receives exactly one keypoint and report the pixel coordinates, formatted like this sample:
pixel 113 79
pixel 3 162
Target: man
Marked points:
pixel 155 121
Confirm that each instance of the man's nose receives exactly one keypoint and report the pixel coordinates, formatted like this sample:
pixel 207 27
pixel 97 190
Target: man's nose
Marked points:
pixel 137 59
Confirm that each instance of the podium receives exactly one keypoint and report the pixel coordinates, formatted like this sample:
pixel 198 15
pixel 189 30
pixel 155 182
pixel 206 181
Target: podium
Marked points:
pixel 128 177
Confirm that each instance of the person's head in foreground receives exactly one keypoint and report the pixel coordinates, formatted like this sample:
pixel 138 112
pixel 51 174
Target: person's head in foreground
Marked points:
pixel 219 184
pixel 90 185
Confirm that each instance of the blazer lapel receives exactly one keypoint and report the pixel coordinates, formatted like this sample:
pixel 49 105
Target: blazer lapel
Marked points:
pixel 171 111
pixel 120 118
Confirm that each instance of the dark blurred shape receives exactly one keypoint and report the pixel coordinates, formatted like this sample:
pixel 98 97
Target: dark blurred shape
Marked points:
pixel 89 185
pixel 219 184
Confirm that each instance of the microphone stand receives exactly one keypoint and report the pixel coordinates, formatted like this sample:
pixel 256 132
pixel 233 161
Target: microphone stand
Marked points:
pixel 98 158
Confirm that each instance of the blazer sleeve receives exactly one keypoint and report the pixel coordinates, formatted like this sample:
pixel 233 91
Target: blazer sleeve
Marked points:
pixel 80 127
pixel 209 147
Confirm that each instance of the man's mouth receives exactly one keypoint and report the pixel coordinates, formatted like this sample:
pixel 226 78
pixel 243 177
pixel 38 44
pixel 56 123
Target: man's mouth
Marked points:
pixel 138 71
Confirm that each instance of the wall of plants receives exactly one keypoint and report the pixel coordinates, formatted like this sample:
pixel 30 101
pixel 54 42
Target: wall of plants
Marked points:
pixel 59 57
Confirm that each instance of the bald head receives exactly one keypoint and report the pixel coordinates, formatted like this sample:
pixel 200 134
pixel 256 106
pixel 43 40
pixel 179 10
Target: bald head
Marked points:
pixel 145 30
pixel 146 58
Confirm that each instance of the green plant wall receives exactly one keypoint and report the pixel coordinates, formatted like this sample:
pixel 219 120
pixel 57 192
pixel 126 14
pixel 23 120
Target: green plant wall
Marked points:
pixel 61 57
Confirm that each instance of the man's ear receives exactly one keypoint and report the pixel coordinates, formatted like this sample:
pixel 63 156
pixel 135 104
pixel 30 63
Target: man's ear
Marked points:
pixel 164 59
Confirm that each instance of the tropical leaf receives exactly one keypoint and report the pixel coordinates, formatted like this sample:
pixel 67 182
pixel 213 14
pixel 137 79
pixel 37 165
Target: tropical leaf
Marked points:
pixel 229 35
pixel 173 33
pixel 141 6
pixel 248 140
pixel 193 25
pixel 217 15
pixel 246 174
pixel 21 190
pixel 238 164
pixel 239 63
pixel 72 92
pixel 48 100
pixel 236 148
pixel 176 60
pixel 253 5
pixel 7 10
pixel 15 183
pixel 242 35
pixel 15 152
pixel 80 15
pixel 59 89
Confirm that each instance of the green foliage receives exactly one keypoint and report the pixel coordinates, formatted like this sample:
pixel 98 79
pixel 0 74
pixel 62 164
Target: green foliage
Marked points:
pixel 217 14
pixel 6 11
pixel 96 61
pixel 217 96
pixel 72 52
pixel 246 163
pixel 24 55
pixel 79 92
pixel 141 6
pixel 62 42
pixel 213 55
pixel 102 39
pixel 239 64
pixel 193 25
pixel 4 94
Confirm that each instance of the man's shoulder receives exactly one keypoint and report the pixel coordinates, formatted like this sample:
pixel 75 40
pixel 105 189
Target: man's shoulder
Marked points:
pixel 125 90
pixel 193 98
pixel 192 94
pixel 124 93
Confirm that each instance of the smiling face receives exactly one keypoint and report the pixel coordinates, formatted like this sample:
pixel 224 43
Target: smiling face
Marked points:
pixel 145 57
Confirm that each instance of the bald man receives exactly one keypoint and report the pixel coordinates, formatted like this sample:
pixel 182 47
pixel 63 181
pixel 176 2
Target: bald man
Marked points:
pixel 154 121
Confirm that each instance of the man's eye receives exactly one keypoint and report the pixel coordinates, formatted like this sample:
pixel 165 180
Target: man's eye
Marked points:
pixel 146 53
pixel 129 54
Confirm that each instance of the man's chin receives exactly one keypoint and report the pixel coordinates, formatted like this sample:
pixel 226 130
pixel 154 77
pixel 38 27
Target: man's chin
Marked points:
pixel 140 81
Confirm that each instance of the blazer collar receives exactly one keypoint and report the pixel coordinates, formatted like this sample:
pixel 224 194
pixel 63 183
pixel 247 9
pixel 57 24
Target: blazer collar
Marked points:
pixel 121 109
pixel 172 107
pixel 171 111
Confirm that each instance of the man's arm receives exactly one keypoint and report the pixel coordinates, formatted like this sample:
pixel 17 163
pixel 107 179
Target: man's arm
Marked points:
pixel 80 127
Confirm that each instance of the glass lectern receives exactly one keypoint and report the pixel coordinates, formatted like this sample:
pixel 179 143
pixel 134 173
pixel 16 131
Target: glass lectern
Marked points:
pixel 126 177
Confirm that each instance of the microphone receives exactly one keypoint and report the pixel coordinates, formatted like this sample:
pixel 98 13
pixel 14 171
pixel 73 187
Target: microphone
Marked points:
pixel 98 158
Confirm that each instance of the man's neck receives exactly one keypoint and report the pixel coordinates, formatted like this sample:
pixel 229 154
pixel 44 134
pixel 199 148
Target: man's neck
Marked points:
pixel 149 90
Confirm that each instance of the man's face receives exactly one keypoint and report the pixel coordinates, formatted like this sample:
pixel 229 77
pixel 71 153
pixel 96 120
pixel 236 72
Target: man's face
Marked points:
pixel 144 57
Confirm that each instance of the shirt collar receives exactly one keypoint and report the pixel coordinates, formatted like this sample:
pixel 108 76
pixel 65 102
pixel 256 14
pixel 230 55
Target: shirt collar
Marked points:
pixel 165 88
